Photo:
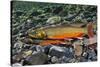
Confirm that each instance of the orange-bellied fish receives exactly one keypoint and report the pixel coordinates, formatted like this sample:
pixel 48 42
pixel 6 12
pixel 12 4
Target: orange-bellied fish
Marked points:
pixel 57 34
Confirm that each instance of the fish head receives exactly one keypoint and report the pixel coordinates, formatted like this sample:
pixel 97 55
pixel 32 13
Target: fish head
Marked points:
pixel 38 33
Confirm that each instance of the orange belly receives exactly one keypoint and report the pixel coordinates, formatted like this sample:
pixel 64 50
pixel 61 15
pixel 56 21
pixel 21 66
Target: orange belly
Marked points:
pixel 61 36
pixel 67 35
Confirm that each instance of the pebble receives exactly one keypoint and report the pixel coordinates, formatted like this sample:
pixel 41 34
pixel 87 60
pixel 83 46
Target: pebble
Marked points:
pixel 92 55
pixel 16 65
pixel 27 53
pixel 54 59
pixel 17 47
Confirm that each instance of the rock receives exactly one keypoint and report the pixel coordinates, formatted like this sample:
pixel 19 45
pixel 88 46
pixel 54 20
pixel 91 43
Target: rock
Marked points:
pixel 83 59
pixel 54 19
pixel 64 59
pixel 56 51
pixel 61 51
pixel 15 31
pixel 37 48
pixel 69 52
pixel 92 55
pixel 16 65
pixel 84 54
pixel 16 58
pixel 17 47
pixel 47 48
pixel 72 60
pixel 54 59
pixel 26 46
pixel 19 56
pixel 36 59
pixel 33 48
pixel 18 44
pixel 27 53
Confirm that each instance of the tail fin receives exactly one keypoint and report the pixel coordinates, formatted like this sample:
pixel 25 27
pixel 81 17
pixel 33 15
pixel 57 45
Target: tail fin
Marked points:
pixel 90 30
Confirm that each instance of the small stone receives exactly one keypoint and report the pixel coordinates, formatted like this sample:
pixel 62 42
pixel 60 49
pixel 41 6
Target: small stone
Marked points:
pixel 92 55
pixel 18 46
pixel 72 60
pixel 16 58
pixel 54 19
pixel 27 53
pixel 37 48
pixel 84 54
pixel 33 48
pixel 26 46
pixel 54 59
pixel 56 51
pixel 16 65
pixel 69 52
pixel 64 59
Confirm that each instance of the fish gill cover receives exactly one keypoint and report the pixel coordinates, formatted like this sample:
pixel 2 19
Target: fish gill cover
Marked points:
pixel 52 33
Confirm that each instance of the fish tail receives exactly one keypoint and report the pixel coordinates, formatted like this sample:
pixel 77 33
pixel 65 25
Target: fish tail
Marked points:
pixel 90 30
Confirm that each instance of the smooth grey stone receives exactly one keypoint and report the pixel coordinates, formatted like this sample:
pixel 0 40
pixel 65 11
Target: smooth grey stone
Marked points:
pixel 54 59
pixel 56 51
pixel 61 51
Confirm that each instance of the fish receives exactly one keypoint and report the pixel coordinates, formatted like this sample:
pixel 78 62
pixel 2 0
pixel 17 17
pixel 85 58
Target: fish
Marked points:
pixel 59 34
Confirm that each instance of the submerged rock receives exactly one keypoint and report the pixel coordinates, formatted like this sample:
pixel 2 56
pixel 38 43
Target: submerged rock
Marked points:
pixel 64 59
pixel 36 58
pixel 47 48
pixel 16 65
pixel 92 55
pixel 54 59
pixel 54 19
pixel 26 46
pixel 16 58
pixel 56 51
pixel 61 51
pixel 17 47
pixel 27 53
pixel 18 44
pixel 37 48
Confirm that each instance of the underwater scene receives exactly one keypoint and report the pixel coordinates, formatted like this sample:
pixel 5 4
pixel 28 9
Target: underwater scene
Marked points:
pixel 52 33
